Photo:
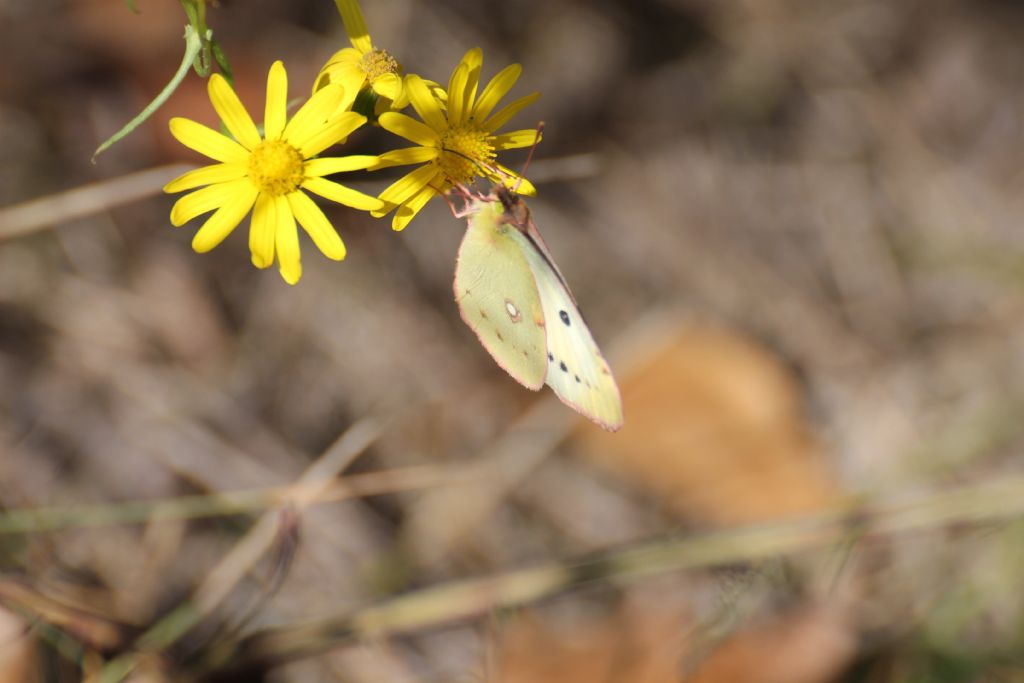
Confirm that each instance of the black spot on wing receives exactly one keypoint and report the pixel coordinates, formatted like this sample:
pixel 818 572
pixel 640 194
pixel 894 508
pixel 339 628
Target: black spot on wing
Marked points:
pixel 551 358
pixel 565 317
pixel 577 379
pixel 563 366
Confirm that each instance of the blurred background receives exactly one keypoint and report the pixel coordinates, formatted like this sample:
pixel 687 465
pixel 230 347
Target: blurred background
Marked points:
pixel 793 227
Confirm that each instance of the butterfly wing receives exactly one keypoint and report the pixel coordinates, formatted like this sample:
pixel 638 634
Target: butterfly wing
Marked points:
pixel 497 295
pixel 577 372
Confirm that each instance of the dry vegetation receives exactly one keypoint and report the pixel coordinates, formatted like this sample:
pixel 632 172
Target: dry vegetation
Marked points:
pixel 794 225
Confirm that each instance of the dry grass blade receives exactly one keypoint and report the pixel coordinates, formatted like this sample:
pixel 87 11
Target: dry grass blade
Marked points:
pixel 256 542
pixel 986 502
pixel 37 214
pixel 225 503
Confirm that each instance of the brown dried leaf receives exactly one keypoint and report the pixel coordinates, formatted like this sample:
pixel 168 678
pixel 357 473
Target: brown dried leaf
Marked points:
pixel 714 427
pixel 808 646
pixel 17 649
pixel 650 643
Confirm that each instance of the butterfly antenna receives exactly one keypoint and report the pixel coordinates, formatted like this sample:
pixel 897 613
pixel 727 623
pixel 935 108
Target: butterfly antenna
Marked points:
pixel 529 157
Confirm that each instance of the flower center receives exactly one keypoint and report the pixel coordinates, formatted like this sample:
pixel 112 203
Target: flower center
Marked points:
pixel 377 63
pixel 464 149
pixel 277 168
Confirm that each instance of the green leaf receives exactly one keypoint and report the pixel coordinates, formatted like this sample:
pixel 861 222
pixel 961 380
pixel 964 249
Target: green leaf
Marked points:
pixel 193 45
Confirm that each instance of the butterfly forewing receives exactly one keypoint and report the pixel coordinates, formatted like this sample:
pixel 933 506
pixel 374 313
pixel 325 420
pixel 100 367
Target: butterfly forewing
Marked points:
pixel 498 296
pixel 577 372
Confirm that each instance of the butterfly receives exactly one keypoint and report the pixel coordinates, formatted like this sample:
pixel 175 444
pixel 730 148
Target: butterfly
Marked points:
pixel 511 293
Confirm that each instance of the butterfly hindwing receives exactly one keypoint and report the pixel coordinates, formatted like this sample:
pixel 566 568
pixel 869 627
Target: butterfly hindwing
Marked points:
pixel 498 296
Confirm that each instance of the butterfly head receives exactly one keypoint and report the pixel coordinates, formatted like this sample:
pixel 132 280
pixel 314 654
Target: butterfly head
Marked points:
pixel 516 211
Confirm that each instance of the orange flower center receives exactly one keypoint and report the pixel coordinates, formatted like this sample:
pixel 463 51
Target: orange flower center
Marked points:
pixel 276 168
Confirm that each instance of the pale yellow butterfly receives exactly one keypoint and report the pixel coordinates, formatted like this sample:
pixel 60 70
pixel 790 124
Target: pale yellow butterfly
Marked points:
pixel 511 293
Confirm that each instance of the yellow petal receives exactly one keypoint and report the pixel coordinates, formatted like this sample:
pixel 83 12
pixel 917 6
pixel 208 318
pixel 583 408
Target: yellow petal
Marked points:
pixel 355 25
pixel 341 194
pixel 334 130
pixel 388 85
pixel 495 90
pixel 409 128
pixel 513 181
pixel 207 175
pixel 207 141
pixel 406 212
pixel 261 232
pixel 425 104
pixel 508 111
pixel 232 113
pixel 313 114
pixel 316 225
pixel 223 221
pixel 352 81
pixel 286 242
pixel 516 139
pixel 328 165
pixel 344 56
pixel 207 199
pixel 276 112
pixel 407 155
pixel 408 185
pixel 457 95
pixel 473 60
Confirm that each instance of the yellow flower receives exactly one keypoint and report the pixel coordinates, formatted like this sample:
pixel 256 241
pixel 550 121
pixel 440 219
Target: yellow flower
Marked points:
pixel 268 174
pixel 455 144
pixel 363 66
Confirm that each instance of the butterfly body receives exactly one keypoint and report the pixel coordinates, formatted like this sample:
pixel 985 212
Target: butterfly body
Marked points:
pixel 511 293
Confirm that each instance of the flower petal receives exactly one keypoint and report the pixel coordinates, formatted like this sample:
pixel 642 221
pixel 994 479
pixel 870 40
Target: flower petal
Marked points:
pixel 425 104
pixel 409 128
pixel 207 141
pixel 407 155
pixel 207 175
pixel 474 60
pixel 336 129
pixel 224 220
pixel 286 242
pixel 508 111
pixel 328 165
pixel 308 120
pixel 408 185
pixel 355 25
pixel 276 112
pixel 388 85
pixel 495 90
pixel 316 225
pixel 457 95
pixel 406 212
pixel 231 111
pixel 207 199
pixel 261 231
pixel 513 181
pixel 516 139
pixel 343 195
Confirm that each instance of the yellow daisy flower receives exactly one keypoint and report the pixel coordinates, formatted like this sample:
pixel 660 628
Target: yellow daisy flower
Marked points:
pixel 363 66
pixel 268 174
pixel 456 143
